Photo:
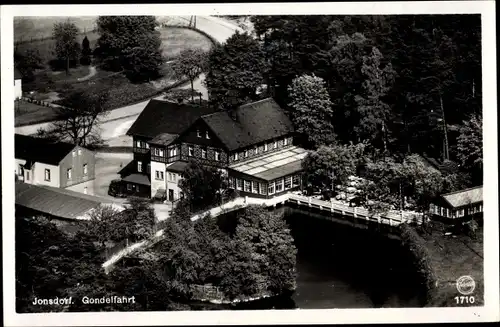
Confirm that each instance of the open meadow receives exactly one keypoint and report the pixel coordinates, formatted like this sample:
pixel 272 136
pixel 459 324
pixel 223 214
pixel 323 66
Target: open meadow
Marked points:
pixel 50 85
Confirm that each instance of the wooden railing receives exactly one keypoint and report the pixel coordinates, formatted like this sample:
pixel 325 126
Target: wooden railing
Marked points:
pixel 390 218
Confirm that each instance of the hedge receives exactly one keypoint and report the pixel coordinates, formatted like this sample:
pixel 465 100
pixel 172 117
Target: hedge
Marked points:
pixel 421 260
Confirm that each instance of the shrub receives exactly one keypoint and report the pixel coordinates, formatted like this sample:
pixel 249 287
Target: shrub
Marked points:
pixel 421 259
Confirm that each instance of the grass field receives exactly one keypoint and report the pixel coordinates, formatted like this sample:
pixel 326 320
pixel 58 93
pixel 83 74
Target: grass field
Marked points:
pixel 26 28
pixel 174 40
pixel 453 257
pixel 29 113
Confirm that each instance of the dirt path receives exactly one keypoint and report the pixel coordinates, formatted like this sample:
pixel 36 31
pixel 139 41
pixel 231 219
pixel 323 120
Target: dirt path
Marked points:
pixel 92 72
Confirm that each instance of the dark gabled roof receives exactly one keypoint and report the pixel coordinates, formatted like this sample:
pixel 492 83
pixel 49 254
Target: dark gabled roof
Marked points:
pixel 49 201
pixel 178 167
pixel 137 179
pixel 254 123
pixel 33 149
pixel 163 139
pixel 464 197
pixel 166 117
pixel 17 74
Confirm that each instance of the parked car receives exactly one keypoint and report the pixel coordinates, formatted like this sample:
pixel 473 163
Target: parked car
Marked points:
pixel 117 189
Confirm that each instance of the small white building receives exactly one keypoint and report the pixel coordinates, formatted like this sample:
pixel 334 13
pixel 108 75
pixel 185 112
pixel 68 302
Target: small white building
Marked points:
pixel 18 87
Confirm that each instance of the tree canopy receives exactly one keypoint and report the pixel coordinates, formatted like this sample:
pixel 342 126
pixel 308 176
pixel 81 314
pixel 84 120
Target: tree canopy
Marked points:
pixel 236 70
pixel 66 47
pixel 311 110
pixel 131 44
pixel 202 186
pixel 191 63
pixel 80 114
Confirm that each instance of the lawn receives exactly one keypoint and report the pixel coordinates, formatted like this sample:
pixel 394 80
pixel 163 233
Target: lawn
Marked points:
pixel 27 113
pixel 26 28
pixel 451 258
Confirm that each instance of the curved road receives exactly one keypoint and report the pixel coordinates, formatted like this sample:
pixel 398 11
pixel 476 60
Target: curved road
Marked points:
pixel 119 120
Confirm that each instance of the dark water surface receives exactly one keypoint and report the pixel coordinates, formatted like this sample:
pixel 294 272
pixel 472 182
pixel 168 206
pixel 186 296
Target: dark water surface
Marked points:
pixel 341 266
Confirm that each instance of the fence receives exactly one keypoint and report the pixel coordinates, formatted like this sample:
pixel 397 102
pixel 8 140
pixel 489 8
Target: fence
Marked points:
pixel 43 38
pixel 214 294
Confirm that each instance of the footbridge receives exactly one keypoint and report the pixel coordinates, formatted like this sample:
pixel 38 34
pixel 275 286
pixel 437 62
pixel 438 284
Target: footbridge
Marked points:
pixel 329 210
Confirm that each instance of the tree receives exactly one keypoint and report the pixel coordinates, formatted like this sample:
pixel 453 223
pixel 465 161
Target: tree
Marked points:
pixel 191 63
pixel 374 112
pixel 268 238
pixel 470 143
pixel 80 113
pixel 311 110
pixel 48 262
pixel 203 186
pixel 131 44
pixel 330 165
pixel 390 182
pixel 66 47
pixel 27 62
pixel 344 76
pixel 86 51
pixel 107 224
pixel 235 70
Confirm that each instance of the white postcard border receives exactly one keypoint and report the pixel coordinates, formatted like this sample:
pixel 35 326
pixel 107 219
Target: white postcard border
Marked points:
pixel 490 312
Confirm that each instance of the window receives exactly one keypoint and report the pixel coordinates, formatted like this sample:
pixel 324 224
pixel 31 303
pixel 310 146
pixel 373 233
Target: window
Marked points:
pixel 231 182
pixel 288 182
pixel 173 152
pixel 235 156
pixel 159 175
pixel 147 145
pixel 246 153
pixel 85 190
pixel 255 187
pixel 204 153
pixel 68 173
pixel 256 151
pixel 21 170
pixel 47 175
pixel 139 166
pixel 296 180
pixel 85 169
pixel 239 184
pixel 74 153
pixel 129 187
pixel 170 176
pixel 160 152
pixel 279 185
pixel 190 151
pixel 27 175
pixel 79 152
pixel 198 133
pixel 265 147
pixel 481 208
pixel 275 145
pixel 285 141
pixel 270 188
pixel 217 156
pixel 248 186
pixel 207 136
pixel 262 188
pixel 138 143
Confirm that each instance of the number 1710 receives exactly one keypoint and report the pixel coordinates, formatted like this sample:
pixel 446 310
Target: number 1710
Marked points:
pixel 464 299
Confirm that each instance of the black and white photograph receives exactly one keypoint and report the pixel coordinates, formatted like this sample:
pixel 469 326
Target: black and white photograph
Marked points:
pixel 266 164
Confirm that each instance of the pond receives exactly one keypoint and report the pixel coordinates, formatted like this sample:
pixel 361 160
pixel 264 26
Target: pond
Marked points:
pixel 341 266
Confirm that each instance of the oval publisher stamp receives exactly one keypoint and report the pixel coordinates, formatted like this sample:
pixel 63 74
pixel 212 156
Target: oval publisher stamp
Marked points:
pixel 466 285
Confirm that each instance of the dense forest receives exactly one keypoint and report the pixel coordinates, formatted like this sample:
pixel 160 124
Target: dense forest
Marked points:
pixel 394 85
